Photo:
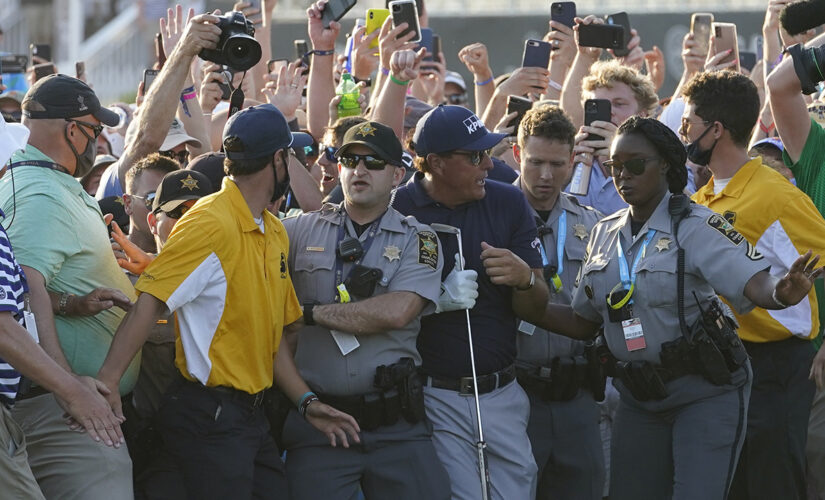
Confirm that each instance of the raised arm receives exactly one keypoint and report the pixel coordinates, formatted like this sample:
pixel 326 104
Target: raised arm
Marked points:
pixel 321 86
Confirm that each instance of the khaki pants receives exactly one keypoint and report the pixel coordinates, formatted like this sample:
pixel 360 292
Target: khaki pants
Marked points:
pixel 16 478
pixel 69 465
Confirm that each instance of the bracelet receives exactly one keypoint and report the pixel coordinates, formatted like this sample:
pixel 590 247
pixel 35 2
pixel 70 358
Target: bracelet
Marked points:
pixel 62 303
pixel 766 130
pixel 303 398
pixel 485 82
pixel 309 319
pixel 529 285
pixel 188 96
pixel 385 71
pixel 399 82
pixel 554 85
pixel 187 90
pixel 778 302
pixel 321 52
pixel 305 404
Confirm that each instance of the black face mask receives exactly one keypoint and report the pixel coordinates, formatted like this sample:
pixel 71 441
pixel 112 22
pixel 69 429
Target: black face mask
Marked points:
pixel 696 154
pixel 281 187
pixel 86 160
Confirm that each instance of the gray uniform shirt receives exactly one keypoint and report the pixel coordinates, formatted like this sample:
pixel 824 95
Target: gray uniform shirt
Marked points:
pixel 715 259
pixel 541 346
pixel 407 253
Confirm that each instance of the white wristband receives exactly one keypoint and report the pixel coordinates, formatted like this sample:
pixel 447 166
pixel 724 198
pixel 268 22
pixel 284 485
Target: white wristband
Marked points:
pixel 554 85
pixel 778 302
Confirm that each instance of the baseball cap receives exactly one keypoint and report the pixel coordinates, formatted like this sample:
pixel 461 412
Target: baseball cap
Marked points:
pixel 61 96
pixel 210 165
pixel 449 128
pixel 414 109
pixel 176 136
pixel 456 78
pixel 261 130
pixel 114 205
pixel 14 95
pixel 103 160
pixel 13 136
pixel 773 141
pixel 376 136
pixel 179 186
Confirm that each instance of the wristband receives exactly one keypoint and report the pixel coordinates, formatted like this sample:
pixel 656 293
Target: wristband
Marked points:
pixel 188 90
pixel 399 82
pixel 554 85
pixel 63 303
pixel 303 398
pixel 385 71
pixel 309 319
pixel 485 82
pixel 529 285
pixel 321 52
pixel 778 302
pixel 305 404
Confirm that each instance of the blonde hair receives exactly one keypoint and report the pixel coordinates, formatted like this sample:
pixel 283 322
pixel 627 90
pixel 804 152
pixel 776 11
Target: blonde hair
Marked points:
pixel 605 74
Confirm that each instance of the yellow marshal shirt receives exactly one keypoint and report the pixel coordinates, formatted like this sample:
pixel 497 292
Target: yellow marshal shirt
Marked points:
pixel 229 285
pixel 783 223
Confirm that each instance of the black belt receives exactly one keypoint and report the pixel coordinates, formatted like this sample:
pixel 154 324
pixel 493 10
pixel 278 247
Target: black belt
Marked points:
pixel 371 411
pixel 464 385
pixel 237 395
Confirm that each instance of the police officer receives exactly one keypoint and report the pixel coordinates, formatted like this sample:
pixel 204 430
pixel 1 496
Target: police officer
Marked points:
pixel 365 274
pixel 683 374
pixel 552 369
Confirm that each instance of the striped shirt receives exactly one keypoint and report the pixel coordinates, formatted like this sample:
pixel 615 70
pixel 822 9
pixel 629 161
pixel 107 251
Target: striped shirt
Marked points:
pixel 12 288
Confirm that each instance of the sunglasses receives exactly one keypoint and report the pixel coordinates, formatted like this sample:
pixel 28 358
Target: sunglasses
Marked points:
pixel 96 129
pixel 371 162
pixel 635 166
pixel 147 200
pixel 329 153
pixel 181 156
pixel 474 156
pixel 177 212
pixel 456 99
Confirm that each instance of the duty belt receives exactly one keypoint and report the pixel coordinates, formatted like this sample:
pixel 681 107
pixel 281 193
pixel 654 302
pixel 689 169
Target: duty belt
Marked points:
pixel 464 385
pixel 371 411
pixel 560 381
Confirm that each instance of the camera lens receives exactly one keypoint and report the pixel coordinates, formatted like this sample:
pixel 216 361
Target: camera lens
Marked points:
pixel 242 52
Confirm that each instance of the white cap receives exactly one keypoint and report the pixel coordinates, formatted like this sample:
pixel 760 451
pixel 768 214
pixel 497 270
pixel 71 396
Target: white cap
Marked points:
pixel 177 135
pixel 13 137
pixel 456 78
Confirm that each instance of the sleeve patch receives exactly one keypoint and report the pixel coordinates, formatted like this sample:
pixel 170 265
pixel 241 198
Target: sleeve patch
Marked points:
pixel 753 253
pixel 428 249
pixel 719 223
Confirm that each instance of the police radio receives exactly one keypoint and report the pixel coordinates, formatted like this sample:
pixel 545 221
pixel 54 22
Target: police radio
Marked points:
pixel 349 249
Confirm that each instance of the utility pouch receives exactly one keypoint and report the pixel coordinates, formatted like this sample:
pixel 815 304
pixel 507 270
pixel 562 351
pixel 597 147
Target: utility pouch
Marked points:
pixel 710 360
pixel 392 407
pixel 412 400
pixel 373 412
pixel 595 371
pixel 563 383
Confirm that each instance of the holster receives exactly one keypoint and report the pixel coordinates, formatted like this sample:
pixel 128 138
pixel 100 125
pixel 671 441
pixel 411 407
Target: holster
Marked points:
pixel 402 388
pixel 641 379
pixel 598 364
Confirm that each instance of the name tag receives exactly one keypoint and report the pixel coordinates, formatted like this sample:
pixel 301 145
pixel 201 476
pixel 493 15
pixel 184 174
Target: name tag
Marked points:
pixel 634 335
pixel 346 342
pixel 526 328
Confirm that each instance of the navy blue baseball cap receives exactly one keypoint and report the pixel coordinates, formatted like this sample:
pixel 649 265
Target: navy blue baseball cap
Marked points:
pixel 450 128
pixel 260 131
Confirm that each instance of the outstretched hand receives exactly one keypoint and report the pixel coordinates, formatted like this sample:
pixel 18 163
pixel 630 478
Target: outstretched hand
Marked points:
pixel 337 425
pixel 795 285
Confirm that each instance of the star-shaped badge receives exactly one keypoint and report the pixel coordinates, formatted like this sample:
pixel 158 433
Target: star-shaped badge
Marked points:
pixel 392 253
pixel 366 129
pixel 189 183
pixel 663 244
pixel 580 231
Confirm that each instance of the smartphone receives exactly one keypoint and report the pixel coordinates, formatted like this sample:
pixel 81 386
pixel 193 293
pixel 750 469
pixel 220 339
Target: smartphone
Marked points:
pixel 747 60
pixel 427 43
pixel 160 54
pixel 520 105
pixel 605 36
pixel 405 11
pixel 43 70
pixel 725 34
pixel 301 49
pixel 149 77
pixel 437 48
pixel 620 19
pixel 80 70
pixel 375 19
pixel 596 110
pixel 41 50
pixel 563 12
pixel 335 10
pixel 275 65
pixel 14 63
pixel 700 23
pixel 419 6
pixel 536 54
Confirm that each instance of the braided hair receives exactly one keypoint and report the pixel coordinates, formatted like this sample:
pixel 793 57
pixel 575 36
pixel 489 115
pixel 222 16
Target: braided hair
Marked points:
pixel 669 147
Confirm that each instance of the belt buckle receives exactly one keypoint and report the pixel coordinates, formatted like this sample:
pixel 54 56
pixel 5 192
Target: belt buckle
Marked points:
pixel 466 385
pixel 258 399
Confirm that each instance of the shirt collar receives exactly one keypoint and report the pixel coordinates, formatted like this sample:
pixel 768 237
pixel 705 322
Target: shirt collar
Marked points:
pixel 736 185
pixel 659 220
pixel 241 209
pixel 390 221
pixel 417 192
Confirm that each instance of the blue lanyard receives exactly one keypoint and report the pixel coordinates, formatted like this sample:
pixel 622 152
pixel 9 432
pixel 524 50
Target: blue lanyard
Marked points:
pixel 342 232
pixel 629 279
pixel 44 164
pixel 560 240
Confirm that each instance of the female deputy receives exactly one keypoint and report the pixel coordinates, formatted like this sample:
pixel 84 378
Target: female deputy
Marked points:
pixel 684 385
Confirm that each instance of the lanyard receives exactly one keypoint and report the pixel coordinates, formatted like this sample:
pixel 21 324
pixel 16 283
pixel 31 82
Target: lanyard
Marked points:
pixel 560 240
pixel 629 278
pixel 35 163
pixel 343 295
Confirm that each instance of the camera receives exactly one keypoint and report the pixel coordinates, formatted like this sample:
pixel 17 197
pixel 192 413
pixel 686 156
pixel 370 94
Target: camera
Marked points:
pixel 237 47
pixel 809 64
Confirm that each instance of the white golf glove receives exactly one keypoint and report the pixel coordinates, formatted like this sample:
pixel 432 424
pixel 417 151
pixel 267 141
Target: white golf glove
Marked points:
pixel 459 290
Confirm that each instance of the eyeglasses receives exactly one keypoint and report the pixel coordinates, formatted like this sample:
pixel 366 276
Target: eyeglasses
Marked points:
pixel 475 156
pixel 456 99
pixel 683 130
pixel 371 162
pixel 635 166
pixel 329 153
pixel 96 129
pixel 177 212
pixel 181 156
pixel 147 200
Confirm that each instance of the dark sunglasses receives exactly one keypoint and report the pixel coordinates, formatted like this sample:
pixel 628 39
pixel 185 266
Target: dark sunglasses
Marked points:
pixel 329 153
pixel 177 212
pixel 147 200
pixel 182 156
pixel 96 129
pixel 635 166
pixel 371 162
pixel 456 99
pixel 474 156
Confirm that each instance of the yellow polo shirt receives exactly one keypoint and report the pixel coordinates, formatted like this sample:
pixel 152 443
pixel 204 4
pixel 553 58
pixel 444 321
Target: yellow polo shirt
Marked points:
pixel 229 285
pixel 783 223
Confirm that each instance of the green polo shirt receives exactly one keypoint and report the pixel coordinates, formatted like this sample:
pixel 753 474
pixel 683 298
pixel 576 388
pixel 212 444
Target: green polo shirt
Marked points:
pixel 57 229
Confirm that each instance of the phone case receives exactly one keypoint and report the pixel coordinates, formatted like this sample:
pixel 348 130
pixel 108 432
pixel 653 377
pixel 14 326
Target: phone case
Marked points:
pixel 606 36
pixel 521 106
pixel 436 48
pixel 596 110
pixel 700 27
pixel 563 12
pixel 405 11
pixel 148 77
pixel 620 19
pixel 747 60
pixel 335 10
pixel 725 34
pixel 375 19
pixel 536 54
pixel 427 42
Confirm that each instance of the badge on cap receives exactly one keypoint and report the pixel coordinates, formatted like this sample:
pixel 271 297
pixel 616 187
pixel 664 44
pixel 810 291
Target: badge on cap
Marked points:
pixel 392 253
pixel 663 244
pixel 189 183
pixel 580 231
pixel 365 130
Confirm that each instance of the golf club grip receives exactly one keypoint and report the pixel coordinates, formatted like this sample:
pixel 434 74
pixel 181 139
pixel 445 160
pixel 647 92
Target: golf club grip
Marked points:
pixel 484 472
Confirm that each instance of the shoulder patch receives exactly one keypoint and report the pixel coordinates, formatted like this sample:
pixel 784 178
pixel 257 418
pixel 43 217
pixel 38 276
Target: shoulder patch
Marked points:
pixel 428 249
pixel 753 253
pixel 719 223
pixel 730 216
